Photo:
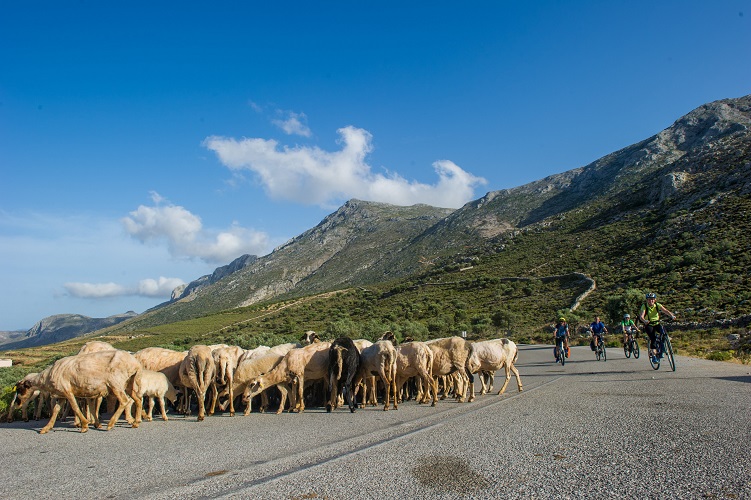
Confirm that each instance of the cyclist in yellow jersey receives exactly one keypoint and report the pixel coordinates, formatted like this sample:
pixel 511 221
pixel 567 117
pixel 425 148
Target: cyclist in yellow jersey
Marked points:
pixel 649 314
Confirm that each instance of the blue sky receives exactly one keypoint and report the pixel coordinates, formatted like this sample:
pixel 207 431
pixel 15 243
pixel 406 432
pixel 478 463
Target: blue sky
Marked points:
pixel 144 144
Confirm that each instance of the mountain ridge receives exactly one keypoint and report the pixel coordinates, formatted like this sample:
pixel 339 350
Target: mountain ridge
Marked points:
pixel 668 186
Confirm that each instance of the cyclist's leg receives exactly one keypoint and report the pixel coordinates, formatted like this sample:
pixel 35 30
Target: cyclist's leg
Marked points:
pixel 649 329
pixel 661 330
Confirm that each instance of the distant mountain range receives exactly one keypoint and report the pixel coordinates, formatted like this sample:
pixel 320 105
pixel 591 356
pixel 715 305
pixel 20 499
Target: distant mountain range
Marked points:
pixel 61 327
pixel 672 185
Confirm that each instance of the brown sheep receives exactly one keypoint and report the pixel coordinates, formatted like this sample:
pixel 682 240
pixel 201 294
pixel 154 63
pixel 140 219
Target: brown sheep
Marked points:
pixel 450 356
pixel 307 363
pixel 88 376
pixel 197 372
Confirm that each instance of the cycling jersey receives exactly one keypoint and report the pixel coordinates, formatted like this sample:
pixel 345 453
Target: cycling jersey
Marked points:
pixel 652 313
pixel 561 330
pixel 627 324
pixel 598 328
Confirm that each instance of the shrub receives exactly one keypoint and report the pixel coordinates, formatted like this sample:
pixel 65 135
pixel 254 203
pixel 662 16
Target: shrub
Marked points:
pixel 720 356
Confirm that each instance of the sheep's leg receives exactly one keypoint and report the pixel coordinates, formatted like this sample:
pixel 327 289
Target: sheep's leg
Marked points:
pixel 161 406
pixel 231 397
pixel 283 390
pixel 53 418
pixel 77 411
pixel 505 383
pixel 518 379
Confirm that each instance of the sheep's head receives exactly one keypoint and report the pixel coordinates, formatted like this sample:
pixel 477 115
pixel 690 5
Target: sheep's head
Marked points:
pixel 309 337
pixel 255 387
pixel 24 390
pixel 171 394
pixel 389 335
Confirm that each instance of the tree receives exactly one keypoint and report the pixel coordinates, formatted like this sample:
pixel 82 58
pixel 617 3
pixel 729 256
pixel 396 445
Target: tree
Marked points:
pixel 629 302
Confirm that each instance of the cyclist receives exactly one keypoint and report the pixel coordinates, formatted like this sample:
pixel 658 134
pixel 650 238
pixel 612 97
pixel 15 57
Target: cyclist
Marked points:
pixel 626 325
pixel 562 335
pixel 649 314
pixel 598 329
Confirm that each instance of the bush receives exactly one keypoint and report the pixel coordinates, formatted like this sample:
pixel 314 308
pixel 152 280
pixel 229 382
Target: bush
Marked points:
pixel 720 355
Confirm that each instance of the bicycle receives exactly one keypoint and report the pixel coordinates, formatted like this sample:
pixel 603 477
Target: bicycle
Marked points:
pixel 664 349
pixel 560 354
pixel 631 346
pixel 600 350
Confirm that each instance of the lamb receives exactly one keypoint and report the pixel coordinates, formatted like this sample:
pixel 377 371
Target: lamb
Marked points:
pixel 197 372
pixel 492 355
pixel 156 385
pixel 90 375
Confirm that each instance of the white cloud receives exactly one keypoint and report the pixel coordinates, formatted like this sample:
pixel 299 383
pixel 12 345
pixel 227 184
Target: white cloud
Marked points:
pixel 95 290
pixel 186 237
pixel 161 288
pixel 293 123
pixel 311 175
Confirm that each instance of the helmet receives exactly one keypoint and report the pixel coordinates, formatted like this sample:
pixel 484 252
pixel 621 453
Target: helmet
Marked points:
pixel 651 295
pixel 561 319
pixel 626 316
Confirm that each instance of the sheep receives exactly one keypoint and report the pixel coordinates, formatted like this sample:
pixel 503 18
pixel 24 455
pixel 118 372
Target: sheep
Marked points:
pixel 344 361
pixel 259 351
pixel 283 349
pixel 162 360
pixel 368 385
pixel 307 363
pixel 197 372
pixel 36 395
pixel 87 376
pixel 156 385
pixel 309 337
pixel 379 360
pixel 415 359
pixel 95 346
pixel 248 370
pixel 226 359
pixel 450 356
pixel 492 355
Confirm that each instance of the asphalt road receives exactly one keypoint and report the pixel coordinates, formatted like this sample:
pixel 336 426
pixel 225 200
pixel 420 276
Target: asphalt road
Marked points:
pixel 588 429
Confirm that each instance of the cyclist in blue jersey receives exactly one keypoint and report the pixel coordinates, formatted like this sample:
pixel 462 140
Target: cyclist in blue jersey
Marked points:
pixel 598 329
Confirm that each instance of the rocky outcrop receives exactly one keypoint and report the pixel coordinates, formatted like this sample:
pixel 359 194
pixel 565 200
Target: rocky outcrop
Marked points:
pixel 184 291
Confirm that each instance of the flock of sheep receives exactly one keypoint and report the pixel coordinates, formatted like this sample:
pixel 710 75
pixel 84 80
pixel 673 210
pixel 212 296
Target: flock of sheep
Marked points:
pixel 347 367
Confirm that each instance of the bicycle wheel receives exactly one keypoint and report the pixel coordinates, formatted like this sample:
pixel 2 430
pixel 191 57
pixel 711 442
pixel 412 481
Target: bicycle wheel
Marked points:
pixel 562 355
pixel 597 353
pixel 635 348
pixel 604 353
pixel 627 349
pixel 653 360
pixel 669 352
